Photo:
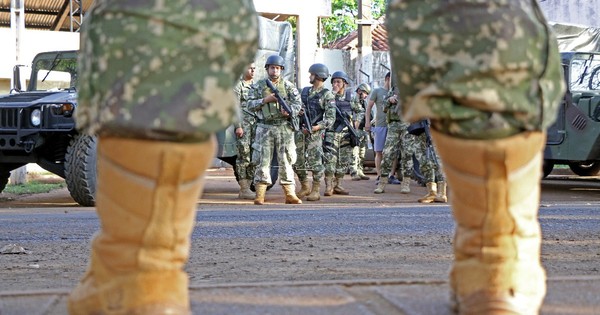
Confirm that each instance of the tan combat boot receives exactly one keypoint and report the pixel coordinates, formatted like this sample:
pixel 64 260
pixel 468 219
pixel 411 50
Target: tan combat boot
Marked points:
pixel 495 201
pixel 261 190
pixel 356 177
pixel 290 194
pixel 441 193
pixel 380 187
pixel 328 186
pixel 304 190
pixel 405 185
pixel 362 175
pixel 137 257
pixel 315 193
pixel 431 193
pixel 245 192
pixel 337 187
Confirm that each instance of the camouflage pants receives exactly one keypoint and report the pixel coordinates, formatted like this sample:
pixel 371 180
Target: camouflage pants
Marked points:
pixel 429 161
pixel 243 163
pixel 278 139
pixel 399 144
pixel 309 152
pixel 358 153
pixel 337 153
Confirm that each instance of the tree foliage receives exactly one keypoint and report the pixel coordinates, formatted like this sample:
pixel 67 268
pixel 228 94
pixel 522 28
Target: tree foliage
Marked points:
pixel 344 17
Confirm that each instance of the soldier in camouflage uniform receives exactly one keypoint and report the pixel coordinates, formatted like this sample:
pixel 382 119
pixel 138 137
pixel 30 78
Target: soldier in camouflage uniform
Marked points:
pixel 358 153
pixel 337 146
pixel 430 166
pixel 399 145
pixel 488 75
pixel 156 84
pixel 274 133
pixel 319 106
pixel 245 130
pixel 377 98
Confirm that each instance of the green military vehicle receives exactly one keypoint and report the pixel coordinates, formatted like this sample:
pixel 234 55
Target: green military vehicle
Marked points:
pixel 574 139
pixel 37 126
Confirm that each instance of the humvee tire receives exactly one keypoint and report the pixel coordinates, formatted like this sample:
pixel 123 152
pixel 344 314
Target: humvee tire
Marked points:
pixel 80 169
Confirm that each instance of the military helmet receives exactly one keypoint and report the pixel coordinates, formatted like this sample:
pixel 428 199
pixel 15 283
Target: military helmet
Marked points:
pixel 364 87
pixel 320 70
pixel 275 60
pixel 340 75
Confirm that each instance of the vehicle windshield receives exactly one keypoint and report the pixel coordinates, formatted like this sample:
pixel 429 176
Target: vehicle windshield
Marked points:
pixel 585 72
pixel 54 73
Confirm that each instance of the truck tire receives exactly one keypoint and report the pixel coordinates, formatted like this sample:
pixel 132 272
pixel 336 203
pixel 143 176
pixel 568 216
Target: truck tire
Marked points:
pixel 585 169
pixel 80 169
pixel 547 168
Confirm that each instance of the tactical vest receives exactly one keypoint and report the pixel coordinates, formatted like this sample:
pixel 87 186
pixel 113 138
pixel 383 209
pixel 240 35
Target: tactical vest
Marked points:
pixel 345 106
pixel 313 106
pixel 272 111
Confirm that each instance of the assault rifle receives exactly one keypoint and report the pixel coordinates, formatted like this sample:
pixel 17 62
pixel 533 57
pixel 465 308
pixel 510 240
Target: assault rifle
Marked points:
pixel 354 139
pixel 284 105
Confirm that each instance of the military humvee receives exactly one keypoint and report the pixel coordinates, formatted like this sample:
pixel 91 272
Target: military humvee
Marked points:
pixel 37 126
pixel 574 139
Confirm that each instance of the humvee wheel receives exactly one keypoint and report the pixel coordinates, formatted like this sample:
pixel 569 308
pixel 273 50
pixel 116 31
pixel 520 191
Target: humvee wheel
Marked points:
pixel 80 169
pixel 547 168
pixel 585 168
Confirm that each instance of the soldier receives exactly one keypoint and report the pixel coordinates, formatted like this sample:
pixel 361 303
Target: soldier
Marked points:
pixel 358 153
pixel 399 144
pixel 430 166
pixel 319 106
pixel 274 133
pixel 337 143
pixel 488 75
pixel 155 86
pixel 377 98
pixel 245 131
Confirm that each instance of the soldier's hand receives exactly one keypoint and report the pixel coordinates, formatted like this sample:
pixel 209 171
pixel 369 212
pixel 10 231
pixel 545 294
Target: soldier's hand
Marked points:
pixel 305 131
pixel 269 99
pixel 284 113
pixel 239 132
pixel 301 112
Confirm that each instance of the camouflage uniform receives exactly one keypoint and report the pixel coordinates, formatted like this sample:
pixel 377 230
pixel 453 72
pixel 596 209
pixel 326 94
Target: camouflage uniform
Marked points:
pixel 399 145
pixel 274 133
pixel 156 83
pixel 358 152
pixel 243 162
pixel 429 162
pixel 338 150
pixel 488 75
pixel 309 148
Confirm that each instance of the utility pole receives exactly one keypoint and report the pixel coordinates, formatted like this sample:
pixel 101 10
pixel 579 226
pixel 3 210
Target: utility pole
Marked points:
pixel 365 43
pixel 17 25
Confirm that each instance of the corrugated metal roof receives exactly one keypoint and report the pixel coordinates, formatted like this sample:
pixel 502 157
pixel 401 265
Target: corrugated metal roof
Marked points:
pixel 45 14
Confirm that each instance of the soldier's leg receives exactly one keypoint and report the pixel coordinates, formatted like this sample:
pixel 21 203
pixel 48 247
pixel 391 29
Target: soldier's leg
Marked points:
pixel 286 156
pixel 301 165
pixel 151 115
pixel 243 163
pixel 330 154
pixel 315 161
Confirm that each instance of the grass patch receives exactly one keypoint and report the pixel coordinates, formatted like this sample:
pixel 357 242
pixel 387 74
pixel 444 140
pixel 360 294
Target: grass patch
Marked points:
pixel 33 187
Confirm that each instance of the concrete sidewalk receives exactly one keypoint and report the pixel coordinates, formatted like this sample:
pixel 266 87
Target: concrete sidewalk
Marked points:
pixel 573 295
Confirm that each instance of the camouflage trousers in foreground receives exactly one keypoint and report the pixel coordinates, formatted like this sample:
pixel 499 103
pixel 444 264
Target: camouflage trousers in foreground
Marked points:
pixel 429 161
pixel 399 144
pixel 478 69
pixel 163 69
pixel 274 139
pixel 337 153
pixel 243 162
pixel 309 152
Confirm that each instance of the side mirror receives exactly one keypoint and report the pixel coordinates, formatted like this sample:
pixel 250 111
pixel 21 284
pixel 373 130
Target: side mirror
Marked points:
pixel 17 78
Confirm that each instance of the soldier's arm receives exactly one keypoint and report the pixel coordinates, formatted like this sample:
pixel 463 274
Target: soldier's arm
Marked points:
pixel 294 100
pixel 368 114
pixel 328 111
pixel 255 100
pixel 359 111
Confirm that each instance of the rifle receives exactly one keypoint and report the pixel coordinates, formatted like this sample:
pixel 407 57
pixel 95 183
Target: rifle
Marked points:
pixel 354 139
pixel 284 105
pixel 306 122
pixel 430 151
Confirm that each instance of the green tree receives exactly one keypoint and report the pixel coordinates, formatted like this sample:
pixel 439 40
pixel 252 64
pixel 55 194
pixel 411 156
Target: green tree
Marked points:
pixel 344 16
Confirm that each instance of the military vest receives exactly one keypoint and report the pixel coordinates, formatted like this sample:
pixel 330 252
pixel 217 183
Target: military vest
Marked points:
pixel 313 106
pixel 272 111
pixel 345 106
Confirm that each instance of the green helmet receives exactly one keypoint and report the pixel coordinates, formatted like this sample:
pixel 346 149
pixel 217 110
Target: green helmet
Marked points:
pixel 275 60
pixel 320 70
pixel 364 87
pixel 340 75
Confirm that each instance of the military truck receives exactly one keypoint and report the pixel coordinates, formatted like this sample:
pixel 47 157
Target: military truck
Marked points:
pixel 37 126
pixel 574 139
